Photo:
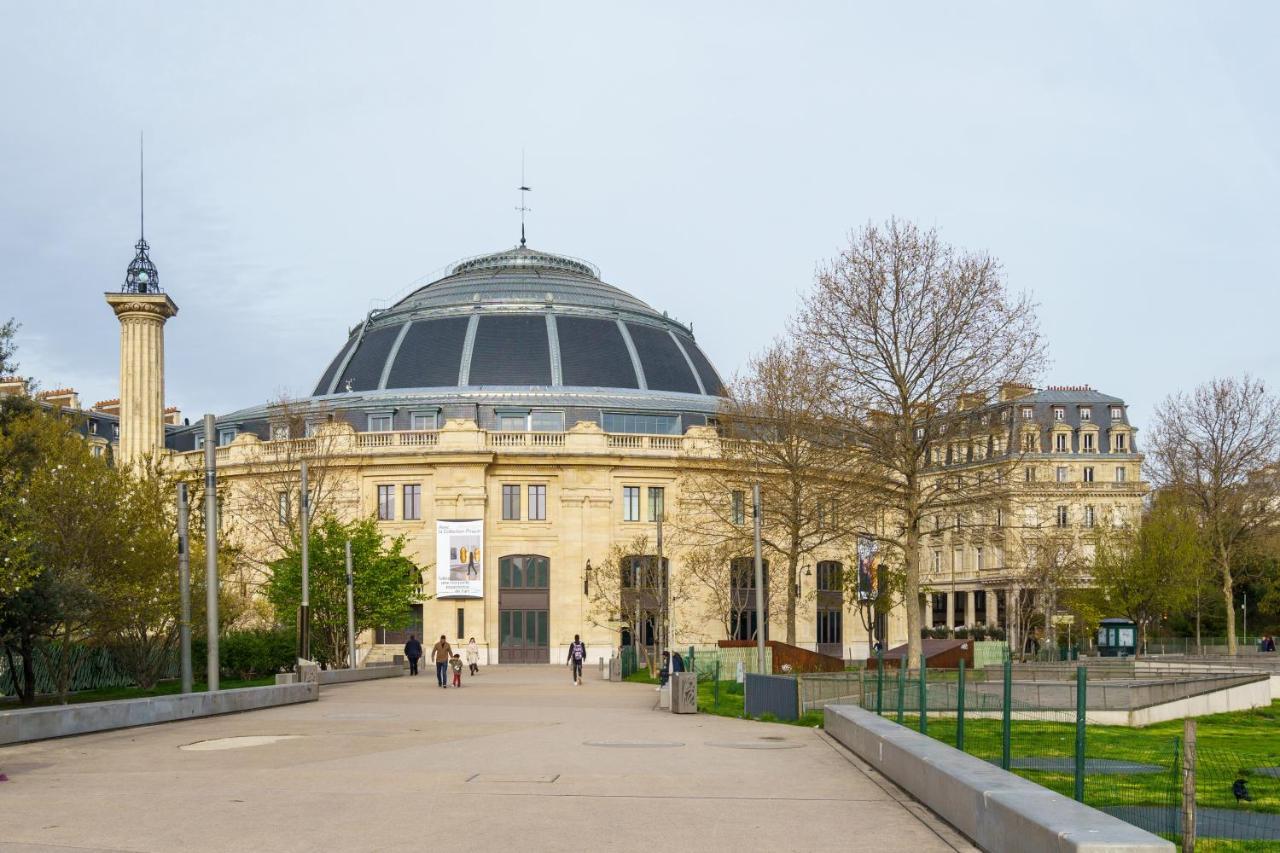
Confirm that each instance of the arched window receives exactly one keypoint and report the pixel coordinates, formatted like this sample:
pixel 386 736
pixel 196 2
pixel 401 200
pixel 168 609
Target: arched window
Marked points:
pixel 524 571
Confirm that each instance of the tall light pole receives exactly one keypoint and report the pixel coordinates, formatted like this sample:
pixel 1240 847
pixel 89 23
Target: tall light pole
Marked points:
pixel 760 617
pixel 351 611
pixel 666 594
pixel 211 548
pixel 184 586
pixel 304 612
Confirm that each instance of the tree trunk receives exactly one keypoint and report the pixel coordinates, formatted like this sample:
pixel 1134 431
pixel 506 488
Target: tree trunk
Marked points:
pixel 911 596
pixel 1228 595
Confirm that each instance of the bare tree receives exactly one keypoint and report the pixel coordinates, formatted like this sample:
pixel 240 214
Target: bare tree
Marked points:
pixel 1217 449
pixel 778 434
pixel 1055 563
pixel 911 329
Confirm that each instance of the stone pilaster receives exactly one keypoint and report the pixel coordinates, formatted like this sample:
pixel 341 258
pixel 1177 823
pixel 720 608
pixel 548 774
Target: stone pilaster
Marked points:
pixel 142 317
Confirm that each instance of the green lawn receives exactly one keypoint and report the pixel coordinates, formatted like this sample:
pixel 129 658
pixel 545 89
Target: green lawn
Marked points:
pixel 1230 746
pixel 164 688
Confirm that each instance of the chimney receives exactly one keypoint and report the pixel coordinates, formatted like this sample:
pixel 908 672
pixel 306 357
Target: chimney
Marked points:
pixel 13 386
pixel 66 398
pixel 172 416
pixel 108 407
pixel 973 400
pixel 1014 390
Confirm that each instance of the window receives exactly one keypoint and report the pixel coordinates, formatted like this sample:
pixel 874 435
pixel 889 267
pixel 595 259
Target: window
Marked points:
pixel 1117 413
pixel 937 523
pixel 919 433
pixel 1028 442
pixel 546 422
pixel 280 432
pixel 525 571
pixel 999 517
pixel 309 429
pixel 537 503
pixel 97 451
pixel 1088 516
pixel 93 427
pixel 631 503
pixel 1060 442
pixel 640 571
pixel 282 506
pixel 115 430
pixel 959 521
pixel 386 503
pixel 1121 443
pixel 226 436
pixel 1061 473
pixel 829 627
pixel 420 421
pixel 957 559
pixel 380 423
pixel 978 558
pixel 739 508
pixel 1004 416
pixel 1027 413
pixel 1086 413
pixel 937 561
pixel 829 576
pixel 1030 474
pixel 1088 442
pixel 1120 474
pixel 462 625
pixel 1118 516
pixel 412 503
pixel 512 423
pixel 1088 474
pixel 656 503
pixel 1062 516
pixel 510 503
pixel 641 423
pixel 1059 413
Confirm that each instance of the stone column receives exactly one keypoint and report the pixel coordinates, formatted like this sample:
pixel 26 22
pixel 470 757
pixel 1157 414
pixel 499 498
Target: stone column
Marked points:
pixel 951 609
pixel 970 608
pixel 993 609
pixel 142 317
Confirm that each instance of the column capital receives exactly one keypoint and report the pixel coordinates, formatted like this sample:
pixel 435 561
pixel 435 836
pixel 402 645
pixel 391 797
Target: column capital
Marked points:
pixel 153 305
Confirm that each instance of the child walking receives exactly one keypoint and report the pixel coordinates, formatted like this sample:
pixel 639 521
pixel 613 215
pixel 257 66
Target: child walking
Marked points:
pixel 456 663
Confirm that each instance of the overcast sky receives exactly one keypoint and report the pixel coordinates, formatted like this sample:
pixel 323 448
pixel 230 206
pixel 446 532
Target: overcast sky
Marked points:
pixel 306 161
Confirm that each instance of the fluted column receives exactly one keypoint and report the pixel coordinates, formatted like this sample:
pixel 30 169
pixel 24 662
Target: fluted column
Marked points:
pixel 142 317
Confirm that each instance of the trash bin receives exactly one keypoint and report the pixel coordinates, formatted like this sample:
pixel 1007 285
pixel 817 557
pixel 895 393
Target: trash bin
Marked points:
pixel 684 693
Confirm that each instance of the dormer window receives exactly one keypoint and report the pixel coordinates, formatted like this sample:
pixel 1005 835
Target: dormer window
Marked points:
pixel 1060 442
pixel 919 433
pixel 1028 413
pixel 1086 413
pixel 1059 413
pixel 1117 413
pixel 1088 442
pixel 380 422
pixel 1122 443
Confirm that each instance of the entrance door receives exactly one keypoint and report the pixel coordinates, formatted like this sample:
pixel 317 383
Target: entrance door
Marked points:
pixel 523 606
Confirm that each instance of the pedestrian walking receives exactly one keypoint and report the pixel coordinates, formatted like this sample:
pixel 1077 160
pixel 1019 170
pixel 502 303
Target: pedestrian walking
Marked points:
pixel 455 663
pixel 440 653
pixel 577 654
pixel 413 651
pixel 473 656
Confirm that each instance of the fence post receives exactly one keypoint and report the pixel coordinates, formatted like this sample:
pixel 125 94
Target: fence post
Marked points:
pixel 960 707
pixel 902 686
pixel 717 699
pixel 1189 785
pixel 879 682
pixel 924 695
pixel 1006 717
pixel 1082 676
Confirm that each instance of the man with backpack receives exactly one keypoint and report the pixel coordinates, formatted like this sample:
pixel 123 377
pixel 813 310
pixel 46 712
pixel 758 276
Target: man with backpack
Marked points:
pixel 577 654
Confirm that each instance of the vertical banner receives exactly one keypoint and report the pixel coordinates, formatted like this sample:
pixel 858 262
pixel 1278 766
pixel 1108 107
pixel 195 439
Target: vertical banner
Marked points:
pixel 868 558
pixel 459 559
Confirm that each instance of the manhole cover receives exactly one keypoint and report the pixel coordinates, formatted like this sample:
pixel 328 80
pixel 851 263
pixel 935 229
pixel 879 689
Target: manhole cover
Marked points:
pixel 754 744
pixel 235 742
pixel 360 716
pixel 633 744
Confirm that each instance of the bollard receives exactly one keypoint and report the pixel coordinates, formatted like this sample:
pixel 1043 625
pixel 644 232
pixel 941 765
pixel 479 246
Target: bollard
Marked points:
pixel 1006 717
pixel 960 707
pixel 1082 675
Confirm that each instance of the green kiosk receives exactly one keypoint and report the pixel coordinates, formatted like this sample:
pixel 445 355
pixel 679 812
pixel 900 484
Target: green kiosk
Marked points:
pixel 1117 638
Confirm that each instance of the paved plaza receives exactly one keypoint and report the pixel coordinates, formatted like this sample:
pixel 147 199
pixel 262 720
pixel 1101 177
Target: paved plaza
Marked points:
pixel 517 759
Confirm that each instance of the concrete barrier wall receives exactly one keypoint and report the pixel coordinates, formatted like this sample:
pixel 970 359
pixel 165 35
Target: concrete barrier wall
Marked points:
pixel 27 724
pixel 346 676
pixel 996 809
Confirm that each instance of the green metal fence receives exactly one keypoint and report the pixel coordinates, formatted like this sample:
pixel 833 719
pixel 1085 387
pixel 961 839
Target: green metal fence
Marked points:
pixel 91 667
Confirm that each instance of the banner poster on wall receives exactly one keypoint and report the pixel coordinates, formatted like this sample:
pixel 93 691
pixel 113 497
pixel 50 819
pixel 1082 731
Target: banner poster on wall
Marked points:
pixel 459 559
pixel 868 560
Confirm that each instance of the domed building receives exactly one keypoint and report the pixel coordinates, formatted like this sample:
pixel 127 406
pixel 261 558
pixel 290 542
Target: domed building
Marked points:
pixel 517 341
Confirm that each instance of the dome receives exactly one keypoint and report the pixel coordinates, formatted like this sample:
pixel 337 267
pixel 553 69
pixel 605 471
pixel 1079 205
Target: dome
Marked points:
pixel 521 319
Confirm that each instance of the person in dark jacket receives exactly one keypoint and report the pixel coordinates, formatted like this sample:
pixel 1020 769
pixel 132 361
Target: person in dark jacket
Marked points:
pixel 577 654
pixel 413 651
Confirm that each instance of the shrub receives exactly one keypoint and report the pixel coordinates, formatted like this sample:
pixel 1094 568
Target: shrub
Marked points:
pixel 250 654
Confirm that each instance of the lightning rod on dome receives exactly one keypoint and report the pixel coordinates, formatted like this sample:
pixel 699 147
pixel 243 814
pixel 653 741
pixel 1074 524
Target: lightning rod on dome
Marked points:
pixel 523 208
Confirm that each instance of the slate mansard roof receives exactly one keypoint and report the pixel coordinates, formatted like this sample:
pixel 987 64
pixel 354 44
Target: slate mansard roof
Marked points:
pixel 520 319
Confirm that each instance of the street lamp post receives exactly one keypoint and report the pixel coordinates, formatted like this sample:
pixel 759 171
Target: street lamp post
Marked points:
pixel 304 612
pixel 184 586
pixel 211 548
pixel 351 611
pixel 760 617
